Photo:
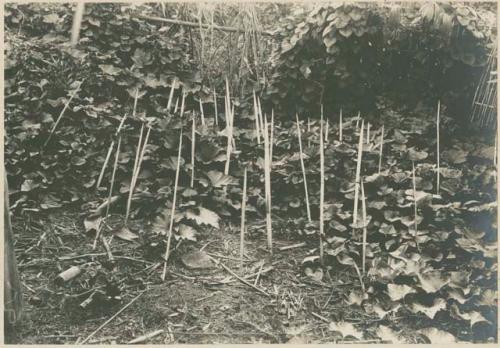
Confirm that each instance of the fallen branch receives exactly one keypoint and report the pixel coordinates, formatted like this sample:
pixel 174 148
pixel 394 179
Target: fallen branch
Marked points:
pixel 113 317
pixel 240 278
pixel 146 337
pixel 293 246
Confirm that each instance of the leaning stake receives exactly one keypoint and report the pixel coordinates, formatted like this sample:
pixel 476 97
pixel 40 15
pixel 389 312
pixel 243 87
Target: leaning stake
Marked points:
pixel 216 116
pixel 171 96
pixel 358 174
pixel 303 169
pixel 267 183
pixel 340 126
pixel 172 213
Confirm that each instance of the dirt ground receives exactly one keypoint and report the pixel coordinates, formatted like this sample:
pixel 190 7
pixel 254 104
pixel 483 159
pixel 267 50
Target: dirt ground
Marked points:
pixel 208 306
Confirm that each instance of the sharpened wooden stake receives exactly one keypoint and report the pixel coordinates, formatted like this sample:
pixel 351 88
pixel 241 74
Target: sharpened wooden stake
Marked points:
pixel 193 144
pixel 106 160
pixel 136 174
pixel 202 113
pixel 437 145
pixel 182 103
pixel 172 213
pixel 134 169
pixel 271 142
pixel 326 131
pixel 341 125
pixel 414 196
pixel 380 150
pixel 365 228
pixel 303 169
pixel 368 133
pixel 77 23
pixel 176 107
pixel 308 132
pixel 256 116
pixel 62 113
pixel 267 183
pixel 358 174
pixel 243 209
pixel 171 96
pixel 216 115
pixel 321 190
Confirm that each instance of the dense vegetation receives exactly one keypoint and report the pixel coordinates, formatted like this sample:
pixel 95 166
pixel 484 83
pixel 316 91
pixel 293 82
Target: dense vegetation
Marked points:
pixel 430 252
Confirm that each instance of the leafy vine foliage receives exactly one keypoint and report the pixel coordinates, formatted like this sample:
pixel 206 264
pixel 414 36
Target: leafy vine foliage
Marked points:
pixel 353 55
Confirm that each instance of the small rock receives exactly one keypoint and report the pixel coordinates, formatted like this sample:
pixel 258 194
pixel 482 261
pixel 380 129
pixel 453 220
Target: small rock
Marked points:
pixel 197 260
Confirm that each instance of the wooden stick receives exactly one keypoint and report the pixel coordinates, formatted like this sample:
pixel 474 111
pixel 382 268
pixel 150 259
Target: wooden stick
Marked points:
pixel 340 126
pixel 357 119
pixel 414 196
pixel 135 175
pixel 293 246
pixel 301 155
pixel 256 281
pixel 229 129
pixel 261 126
pixel 359 276
pixel 437 145
pixel 108 156
pixel 202 113
pixel 62 113
pixel 308 132
pixel 368 133
pixel 380 150
pixel 326 131
pixel 239 278
pixel 271 142
pixel 113 317
pixel 496 149
pixel 365 228
pixel 171 96
pixel 176 107
pixel 267 183
pixel 216 115
pixel 358 174
pixel 172 213
pixel 77 23
pixel 117 155
pixel 198 25
pixel 243 209
pixel 146 337
pixel 193 144
pixel 136 163
pixel 321 190
pixel 182 102
pixel 136 97
pixel 256 116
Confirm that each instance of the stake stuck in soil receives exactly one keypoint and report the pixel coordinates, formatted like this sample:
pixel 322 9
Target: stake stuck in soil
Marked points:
pixel 62 113
pixel 308 132
pixel 182 103
pixel 134 169
pixel 326 131
pixel 341 125
pixel 202 113
pixel 414 196
pixel 322 189
pixel 193 144
pixel 271 142
pixel 216 114
pixel 267 183
pixel 437 145
pixel 380 150
pixel 117 155
pixel 303 169
pixel 358 174
pixel 176 107
pixel 368 133
pixel 243 209
pixel 365 228
pixel 256 116
pixel 171 96
pixel 172 213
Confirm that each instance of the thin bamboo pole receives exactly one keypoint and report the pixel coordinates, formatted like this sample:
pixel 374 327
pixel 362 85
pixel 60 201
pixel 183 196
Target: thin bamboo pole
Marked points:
pixel 341 126
pixel 414 196
pixel 326 131
pixel 368 133
pixel 182 103
pixel 176 107
pixel 308 132
pixel 321 190
pixel 303 169
pixel 77 23
pixel 216 115
pixel 365 228
pixel 358 174
pixel 172 213
pixel 193 144
pixel 267 182
pixel 62 113
pixel 380 150
pixel 272 139
pixel 256 116
pixel 243 210
pixel 171 96
pixel 437 145
pixel 202 113
pixel 106 160
pixel 136 162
